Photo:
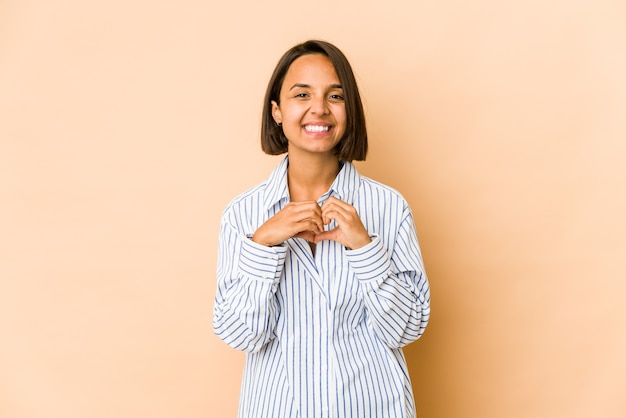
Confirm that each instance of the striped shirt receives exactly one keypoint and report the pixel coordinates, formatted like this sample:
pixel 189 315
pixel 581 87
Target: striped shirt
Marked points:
pixel 322 332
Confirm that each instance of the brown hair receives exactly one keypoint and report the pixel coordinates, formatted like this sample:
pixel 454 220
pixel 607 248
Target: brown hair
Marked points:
pixel 353 145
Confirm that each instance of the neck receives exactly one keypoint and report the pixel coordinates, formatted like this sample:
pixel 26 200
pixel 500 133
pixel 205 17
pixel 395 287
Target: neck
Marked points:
pixel 309 178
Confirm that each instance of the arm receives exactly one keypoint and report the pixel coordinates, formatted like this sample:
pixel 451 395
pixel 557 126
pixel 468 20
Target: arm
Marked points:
pixel 246 310
pixel 395 288
pixel 249 269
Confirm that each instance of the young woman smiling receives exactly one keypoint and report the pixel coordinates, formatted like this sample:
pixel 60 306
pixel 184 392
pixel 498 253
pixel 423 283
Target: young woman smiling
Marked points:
pixel 320 276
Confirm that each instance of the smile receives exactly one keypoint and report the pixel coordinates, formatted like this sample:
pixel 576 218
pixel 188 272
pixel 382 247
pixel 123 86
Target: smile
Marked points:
pixel 316 128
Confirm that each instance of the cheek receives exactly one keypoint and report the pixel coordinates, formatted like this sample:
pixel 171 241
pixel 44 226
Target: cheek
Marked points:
pixel 340 116
pixel 292 114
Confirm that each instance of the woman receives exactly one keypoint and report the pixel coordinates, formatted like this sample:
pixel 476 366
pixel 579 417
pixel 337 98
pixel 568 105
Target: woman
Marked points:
pixel 320 276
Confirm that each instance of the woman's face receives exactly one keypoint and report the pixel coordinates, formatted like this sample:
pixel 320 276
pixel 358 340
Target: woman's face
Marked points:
pixel 312 109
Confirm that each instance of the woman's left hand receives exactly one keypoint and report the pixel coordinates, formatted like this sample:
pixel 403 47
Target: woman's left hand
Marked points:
pixel 349 231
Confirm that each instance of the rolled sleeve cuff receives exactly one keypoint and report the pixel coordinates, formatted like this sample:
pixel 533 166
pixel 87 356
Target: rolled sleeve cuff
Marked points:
pixel 370 262
pixel 261 262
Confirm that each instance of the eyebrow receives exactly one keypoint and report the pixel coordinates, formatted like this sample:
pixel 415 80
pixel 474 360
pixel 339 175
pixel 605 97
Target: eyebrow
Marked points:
pixel 306 86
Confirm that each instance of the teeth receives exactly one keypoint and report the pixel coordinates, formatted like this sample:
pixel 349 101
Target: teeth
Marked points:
pixel 316 128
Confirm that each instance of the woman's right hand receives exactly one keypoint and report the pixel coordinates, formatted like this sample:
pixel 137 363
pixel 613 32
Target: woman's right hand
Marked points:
pixel 297 219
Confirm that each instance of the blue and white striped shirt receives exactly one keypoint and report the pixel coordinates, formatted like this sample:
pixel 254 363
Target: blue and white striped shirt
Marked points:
pixel 322 333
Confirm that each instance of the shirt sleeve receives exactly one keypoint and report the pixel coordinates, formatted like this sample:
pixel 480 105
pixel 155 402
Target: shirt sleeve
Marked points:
pixel 246 310
pixel 395 288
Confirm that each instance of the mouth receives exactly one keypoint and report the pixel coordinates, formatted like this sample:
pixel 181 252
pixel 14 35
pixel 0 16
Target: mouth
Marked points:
pixel 316 128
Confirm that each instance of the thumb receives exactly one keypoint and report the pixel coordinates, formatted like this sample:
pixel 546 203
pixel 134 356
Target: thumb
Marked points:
pixel 331 235
pixel 307 235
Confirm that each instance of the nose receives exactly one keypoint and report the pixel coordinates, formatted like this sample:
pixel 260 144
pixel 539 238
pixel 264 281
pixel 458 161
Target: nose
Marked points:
pixel 319 105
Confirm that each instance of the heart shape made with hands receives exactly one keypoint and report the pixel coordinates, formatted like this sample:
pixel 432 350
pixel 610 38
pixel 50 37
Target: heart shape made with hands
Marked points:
pixel 349 230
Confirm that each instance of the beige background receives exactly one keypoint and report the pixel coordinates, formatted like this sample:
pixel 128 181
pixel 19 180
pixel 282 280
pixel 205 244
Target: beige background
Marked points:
pixel 127 125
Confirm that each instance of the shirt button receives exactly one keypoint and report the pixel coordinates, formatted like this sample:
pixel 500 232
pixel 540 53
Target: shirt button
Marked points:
pixel 324 410
pixel 324 368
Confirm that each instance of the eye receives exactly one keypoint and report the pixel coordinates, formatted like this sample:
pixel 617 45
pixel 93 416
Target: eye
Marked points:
pixel 336 97
pixel 301 95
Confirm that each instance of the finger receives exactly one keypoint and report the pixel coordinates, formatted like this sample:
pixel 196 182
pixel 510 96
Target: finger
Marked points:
pixel 339 206
pixel 332 200
pixel 307 235
pixel 310 209
pixel 329 216
pixel 313 225
pixel 304 204
pixel 338 215
pixel 297 211
pixel 326 235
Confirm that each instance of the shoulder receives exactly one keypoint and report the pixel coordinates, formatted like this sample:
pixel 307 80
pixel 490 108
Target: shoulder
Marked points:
pixel 255 200
pixel 373 189
pixel 383 210
pixel 247 201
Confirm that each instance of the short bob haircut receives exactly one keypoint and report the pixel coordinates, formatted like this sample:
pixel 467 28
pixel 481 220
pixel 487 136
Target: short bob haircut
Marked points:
pixel 353 145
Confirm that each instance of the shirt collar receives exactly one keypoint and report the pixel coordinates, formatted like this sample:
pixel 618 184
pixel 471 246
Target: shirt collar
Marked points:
pixel 344 186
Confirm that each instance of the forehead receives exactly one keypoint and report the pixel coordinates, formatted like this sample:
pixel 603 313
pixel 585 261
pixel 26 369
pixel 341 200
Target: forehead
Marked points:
pixel 311 69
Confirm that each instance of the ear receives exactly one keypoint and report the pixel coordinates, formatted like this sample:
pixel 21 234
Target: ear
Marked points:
pixel 276 113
